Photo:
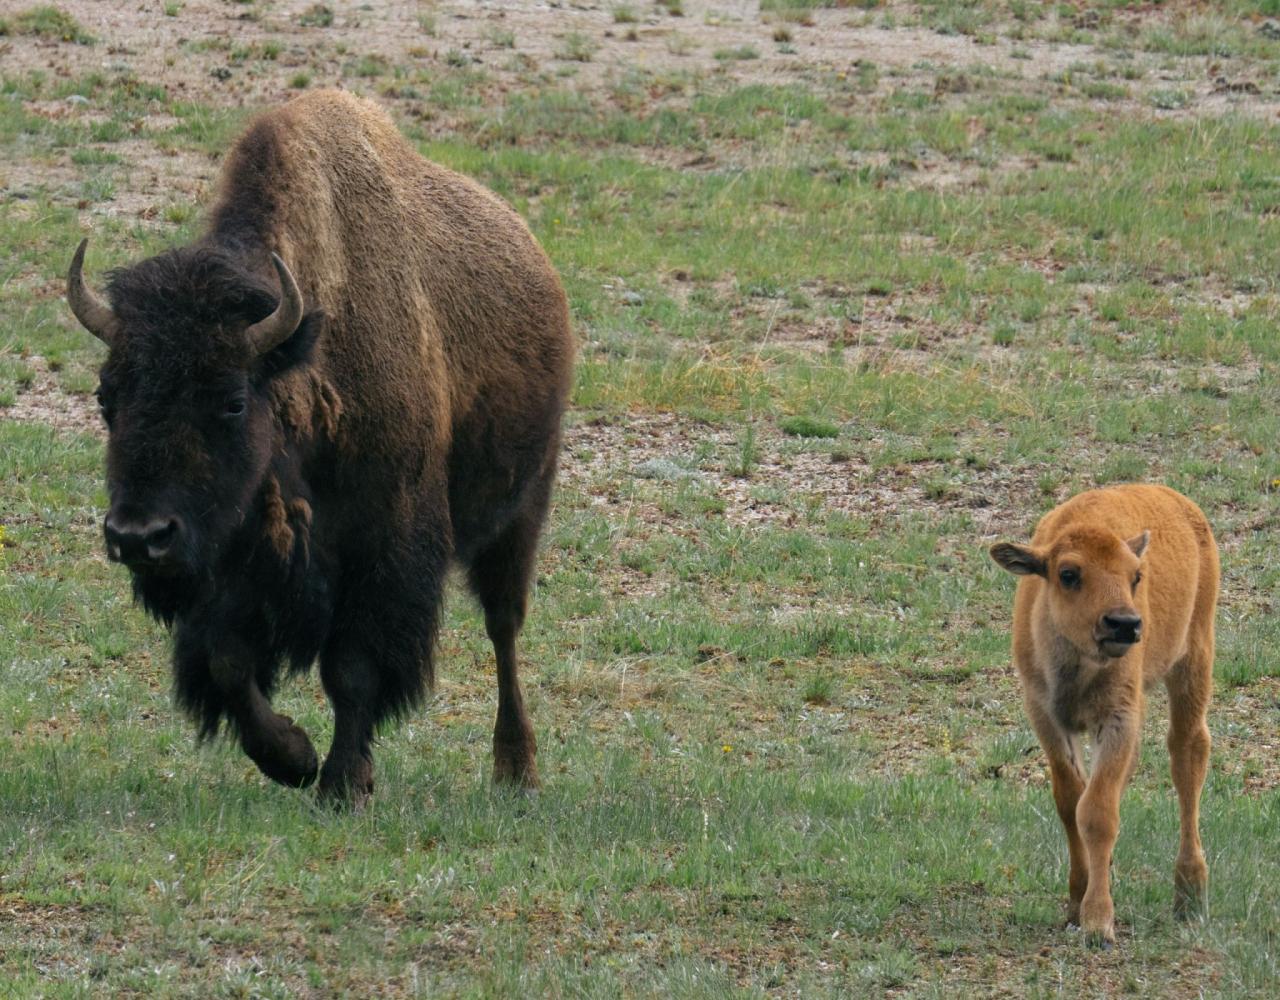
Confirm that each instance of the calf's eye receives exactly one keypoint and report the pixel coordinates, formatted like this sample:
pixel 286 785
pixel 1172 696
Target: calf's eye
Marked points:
pixel 1069 577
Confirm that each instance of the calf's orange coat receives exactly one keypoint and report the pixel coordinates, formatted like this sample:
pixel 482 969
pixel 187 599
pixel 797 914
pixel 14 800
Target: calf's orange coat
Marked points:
pixel 1118 592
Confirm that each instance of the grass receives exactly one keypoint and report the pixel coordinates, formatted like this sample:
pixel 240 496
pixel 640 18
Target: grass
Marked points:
pixel 577 47
pixel 840 330
pixel 318 15
pixel 802 426
pixel 46 22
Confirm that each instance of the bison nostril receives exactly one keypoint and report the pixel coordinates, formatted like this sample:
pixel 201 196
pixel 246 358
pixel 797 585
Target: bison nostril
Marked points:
pixel 160 539
pixel 133 543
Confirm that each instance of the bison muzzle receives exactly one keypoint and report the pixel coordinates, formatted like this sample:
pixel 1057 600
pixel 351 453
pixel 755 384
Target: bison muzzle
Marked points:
pixel 352 379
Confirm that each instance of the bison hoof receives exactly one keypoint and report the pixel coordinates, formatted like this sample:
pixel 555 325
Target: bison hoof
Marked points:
pixel 289 758
pixel 516 772
pixel 347 789
pixel 516 779
pixel 515 762
pixel 345 799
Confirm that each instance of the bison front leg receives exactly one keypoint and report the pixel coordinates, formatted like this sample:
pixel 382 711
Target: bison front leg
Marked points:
pixel 282 751
pixel 378 661
pixel 352 687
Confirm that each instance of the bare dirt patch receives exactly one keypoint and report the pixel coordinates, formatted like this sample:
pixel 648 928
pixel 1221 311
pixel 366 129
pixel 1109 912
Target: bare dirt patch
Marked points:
pixel 44 401
pixel 217 51
pixel 601 456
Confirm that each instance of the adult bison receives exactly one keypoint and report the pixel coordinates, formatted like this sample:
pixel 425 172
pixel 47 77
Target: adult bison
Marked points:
pixel 355 376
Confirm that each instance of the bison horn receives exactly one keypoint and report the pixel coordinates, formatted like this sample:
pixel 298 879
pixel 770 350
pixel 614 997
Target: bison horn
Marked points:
pixel 92 312
pixel 279 326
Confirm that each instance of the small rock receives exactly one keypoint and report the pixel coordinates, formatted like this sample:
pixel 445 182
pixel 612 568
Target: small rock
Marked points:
pixel 1224 86
pixel 633 298
pixel 77 99
pixel 220 73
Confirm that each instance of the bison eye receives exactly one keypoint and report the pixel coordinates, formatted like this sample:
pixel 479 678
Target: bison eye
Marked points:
pixel 1137 579
pixel 235 407
pixel 104 408
pixel 1070 578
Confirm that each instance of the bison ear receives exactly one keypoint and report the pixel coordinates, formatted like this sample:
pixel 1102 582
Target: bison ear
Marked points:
pixel 1021 560
pixel 1138 544
pixel 298 349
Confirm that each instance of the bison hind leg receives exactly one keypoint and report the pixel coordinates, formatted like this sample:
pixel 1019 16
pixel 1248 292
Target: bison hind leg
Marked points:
pixel 500 575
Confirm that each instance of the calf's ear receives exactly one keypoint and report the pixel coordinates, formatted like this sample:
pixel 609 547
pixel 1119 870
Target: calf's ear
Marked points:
pixel 1019 559
pixel 1138 543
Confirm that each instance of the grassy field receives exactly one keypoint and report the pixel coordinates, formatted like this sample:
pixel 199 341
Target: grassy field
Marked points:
pixel 861 288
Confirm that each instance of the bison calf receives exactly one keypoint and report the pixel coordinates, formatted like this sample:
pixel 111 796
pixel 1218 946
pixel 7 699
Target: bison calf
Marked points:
pixel 354 377
pixel 1118 592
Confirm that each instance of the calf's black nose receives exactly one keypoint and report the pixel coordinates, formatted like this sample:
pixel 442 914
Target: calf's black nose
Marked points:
pixel 138 543
pixel 1123 628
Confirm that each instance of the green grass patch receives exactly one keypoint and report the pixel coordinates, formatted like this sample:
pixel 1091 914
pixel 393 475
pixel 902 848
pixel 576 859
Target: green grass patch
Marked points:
pixel 46 22
pixel 811 427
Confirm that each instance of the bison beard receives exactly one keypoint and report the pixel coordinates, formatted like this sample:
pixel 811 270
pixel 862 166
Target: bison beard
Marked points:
pixel 301 444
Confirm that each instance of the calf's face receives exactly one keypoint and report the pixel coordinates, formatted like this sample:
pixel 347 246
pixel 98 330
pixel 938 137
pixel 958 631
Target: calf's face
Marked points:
pixel 194 345
pixel 1092 586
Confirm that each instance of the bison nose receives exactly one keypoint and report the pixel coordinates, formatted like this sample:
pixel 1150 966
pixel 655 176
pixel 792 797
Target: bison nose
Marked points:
pixel 139 543
pixel 1122 627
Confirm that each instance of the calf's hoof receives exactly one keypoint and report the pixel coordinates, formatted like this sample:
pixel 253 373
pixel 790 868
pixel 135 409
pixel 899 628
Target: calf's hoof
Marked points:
pixel 287 756
pixel 1189 899
pixel 1099 940
pixel 1097 919
pixel 1100 935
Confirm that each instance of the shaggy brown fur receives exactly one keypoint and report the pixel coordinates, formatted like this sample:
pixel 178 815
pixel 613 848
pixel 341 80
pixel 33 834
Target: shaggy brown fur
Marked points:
pixel 1118 592
pixel 318 492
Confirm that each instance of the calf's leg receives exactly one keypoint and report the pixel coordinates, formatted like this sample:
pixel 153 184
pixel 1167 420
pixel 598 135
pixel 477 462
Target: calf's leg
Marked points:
pixel 1068 785
pixel 1189 685
pixel 1098 818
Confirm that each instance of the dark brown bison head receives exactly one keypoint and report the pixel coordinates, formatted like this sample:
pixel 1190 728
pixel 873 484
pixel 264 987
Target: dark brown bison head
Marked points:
pixel 195 340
